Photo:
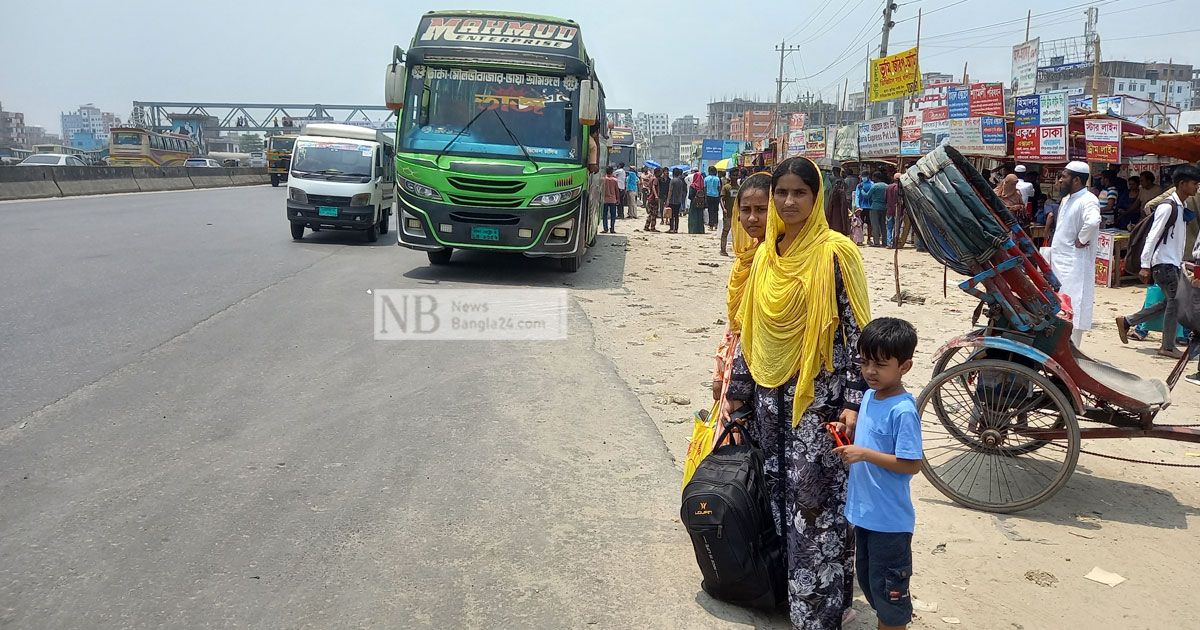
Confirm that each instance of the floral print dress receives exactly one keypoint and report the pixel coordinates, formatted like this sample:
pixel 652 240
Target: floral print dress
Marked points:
pixel 807 479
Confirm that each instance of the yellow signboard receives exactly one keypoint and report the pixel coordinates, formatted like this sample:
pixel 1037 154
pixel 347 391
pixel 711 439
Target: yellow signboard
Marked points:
pixel 895 76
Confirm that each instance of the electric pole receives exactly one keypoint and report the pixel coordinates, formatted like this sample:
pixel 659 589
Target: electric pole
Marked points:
pixel 883 44
pixel 783 49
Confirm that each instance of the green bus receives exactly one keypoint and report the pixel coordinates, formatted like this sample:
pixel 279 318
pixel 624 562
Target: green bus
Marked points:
pixel 498 114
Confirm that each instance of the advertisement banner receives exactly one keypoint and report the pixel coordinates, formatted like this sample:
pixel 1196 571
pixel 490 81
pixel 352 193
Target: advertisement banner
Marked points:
pixel 711 150
pixel 987 99
pixel 934 114
pixel 878 138
pixel 1053 108
pixel 995 133
pixel 796 121
pixel 1027 146
pixel 731 148
pixel 1024 67
pixel 958 100
pixel 910 133
pixel 934 133
pixel 814 143
pixel 983 136
pixel 1104 258
pixel 831 140
pixel 1027 111
pixel 895 76
pixel 1102 139
pixel 1052 143
pixel 795 143
pixel 846 149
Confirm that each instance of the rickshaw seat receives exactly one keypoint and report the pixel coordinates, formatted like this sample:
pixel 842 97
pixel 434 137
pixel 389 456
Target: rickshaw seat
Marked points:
pixel 1148 391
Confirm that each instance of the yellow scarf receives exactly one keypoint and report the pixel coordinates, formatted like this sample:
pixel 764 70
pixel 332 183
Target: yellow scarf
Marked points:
pixel 791 316
pixel 743 257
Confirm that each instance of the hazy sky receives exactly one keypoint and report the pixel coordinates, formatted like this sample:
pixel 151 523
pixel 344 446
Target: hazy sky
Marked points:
pixel 664 56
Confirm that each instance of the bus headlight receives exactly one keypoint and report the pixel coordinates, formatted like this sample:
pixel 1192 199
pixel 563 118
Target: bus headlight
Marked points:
pixel 420 190
pixel 297 195
pixel 361 199
pixel 556 198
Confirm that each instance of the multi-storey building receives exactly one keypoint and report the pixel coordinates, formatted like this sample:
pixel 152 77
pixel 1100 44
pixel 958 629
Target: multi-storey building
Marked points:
pixel 12 129
pixel 88 127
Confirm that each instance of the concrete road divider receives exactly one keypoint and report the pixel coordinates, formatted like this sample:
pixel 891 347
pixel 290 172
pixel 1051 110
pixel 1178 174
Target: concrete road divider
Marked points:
pixel 32 182
pixel 27 182
pixel 94 180
pixel 162 178
pixel 209 177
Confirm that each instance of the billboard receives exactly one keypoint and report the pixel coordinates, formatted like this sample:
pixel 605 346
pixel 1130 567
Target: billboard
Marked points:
pixel 1024 67
pixel 814 143
pixel 895 76
pixel 712 150
pixel 958 101
pixel 910 133
pixel 1102 138
pixel 987 99
pixel 878 138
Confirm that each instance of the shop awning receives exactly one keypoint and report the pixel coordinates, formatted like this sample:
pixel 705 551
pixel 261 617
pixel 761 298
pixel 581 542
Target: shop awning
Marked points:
pixel 1183 146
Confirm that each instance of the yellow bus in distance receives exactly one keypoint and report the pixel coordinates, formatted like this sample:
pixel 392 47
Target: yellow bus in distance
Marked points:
pixel 134 146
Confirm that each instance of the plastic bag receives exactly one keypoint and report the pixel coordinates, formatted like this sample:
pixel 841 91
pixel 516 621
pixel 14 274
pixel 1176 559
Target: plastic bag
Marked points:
pixel 1187 297
pixel 704 431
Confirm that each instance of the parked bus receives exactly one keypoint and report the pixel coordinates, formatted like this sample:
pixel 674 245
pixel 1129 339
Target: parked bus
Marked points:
pixel 624 150
pixel 279 156
pixel 496 113
pixel 134 146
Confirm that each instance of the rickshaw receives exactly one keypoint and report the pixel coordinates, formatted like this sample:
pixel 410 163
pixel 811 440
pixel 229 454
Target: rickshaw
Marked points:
pixel 1001 415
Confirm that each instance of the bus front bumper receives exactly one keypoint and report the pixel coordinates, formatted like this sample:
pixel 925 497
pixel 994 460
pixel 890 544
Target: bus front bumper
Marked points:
pixel 432 226
pixel 348 217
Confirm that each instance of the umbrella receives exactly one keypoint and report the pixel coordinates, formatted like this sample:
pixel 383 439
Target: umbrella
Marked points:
pixel 723 165
pixel 652 164
pixel 683 167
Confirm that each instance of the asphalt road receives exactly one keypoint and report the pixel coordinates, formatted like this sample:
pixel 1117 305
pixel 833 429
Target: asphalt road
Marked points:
pixel 198 430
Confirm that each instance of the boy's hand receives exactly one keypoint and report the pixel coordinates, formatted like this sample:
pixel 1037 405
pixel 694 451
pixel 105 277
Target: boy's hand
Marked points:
pixel 852 454
pixel 848 419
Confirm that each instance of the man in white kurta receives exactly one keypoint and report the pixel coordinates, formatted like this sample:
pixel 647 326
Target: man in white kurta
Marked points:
pixel 1073 250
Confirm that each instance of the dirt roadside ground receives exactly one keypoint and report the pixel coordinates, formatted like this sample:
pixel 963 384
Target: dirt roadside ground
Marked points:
pixel 1019 571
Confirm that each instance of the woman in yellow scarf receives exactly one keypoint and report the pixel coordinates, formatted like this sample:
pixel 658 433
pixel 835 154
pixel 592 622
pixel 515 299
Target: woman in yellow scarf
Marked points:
pixel 749 228
pixel 804 307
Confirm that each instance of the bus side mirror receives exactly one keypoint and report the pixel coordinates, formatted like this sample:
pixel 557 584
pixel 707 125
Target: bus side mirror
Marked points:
pixel 393 83
pixel 393 87
pixel 589 102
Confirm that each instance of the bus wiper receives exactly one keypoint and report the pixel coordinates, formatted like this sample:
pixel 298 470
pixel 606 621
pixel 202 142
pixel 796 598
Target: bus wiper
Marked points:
pixel 457 136
pixel 514 139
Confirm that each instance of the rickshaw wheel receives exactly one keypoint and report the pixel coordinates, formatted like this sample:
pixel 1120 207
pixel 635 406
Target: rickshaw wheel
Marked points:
pixel 977 451
pixel 945 409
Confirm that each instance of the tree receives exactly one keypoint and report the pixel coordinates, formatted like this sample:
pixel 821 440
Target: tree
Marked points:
pixel 248 142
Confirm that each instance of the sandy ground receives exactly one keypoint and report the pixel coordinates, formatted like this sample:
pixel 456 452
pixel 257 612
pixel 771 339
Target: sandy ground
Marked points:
pixel 663 323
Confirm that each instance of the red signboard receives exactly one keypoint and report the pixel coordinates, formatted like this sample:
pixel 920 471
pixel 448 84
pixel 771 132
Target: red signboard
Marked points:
pixel 1027 143
pixel 934 114
pixel 987 99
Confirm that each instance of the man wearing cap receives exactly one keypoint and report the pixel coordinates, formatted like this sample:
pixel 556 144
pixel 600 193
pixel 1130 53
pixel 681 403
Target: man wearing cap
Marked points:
pixel 1023 186
pixel 1073 249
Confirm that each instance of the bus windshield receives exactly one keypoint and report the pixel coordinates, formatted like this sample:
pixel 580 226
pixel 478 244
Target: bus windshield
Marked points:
pixel 281 144
pixel 127 137
pixel 535 108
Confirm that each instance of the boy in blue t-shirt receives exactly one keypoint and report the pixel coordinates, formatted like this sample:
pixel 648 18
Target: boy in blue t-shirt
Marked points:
pixel 885 455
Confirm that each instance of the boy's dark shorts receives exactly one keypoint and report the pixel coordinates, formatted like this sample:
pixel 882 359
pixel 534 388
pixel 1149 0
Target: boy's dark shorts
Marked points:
pixel 884 566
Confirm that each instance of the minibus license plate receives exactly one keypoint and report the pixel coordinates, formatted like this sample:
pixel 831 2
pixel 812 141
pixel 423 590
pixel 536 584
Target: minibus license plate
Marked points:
pixel 326 211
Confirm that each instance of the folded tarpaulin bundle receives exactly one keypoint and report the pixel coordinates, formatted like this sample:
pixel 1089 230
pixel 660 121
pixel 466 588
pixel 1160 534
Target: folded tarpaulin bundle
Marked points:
pixel 955 211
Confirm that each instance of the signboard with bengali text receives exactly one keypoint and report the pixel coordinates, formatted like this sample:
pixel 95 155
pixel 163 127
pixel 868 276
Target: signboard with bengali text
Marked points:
pixel 987 99
pixel 1102 139
pixel 1025 67
pixel 878 138
pixel 895 76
